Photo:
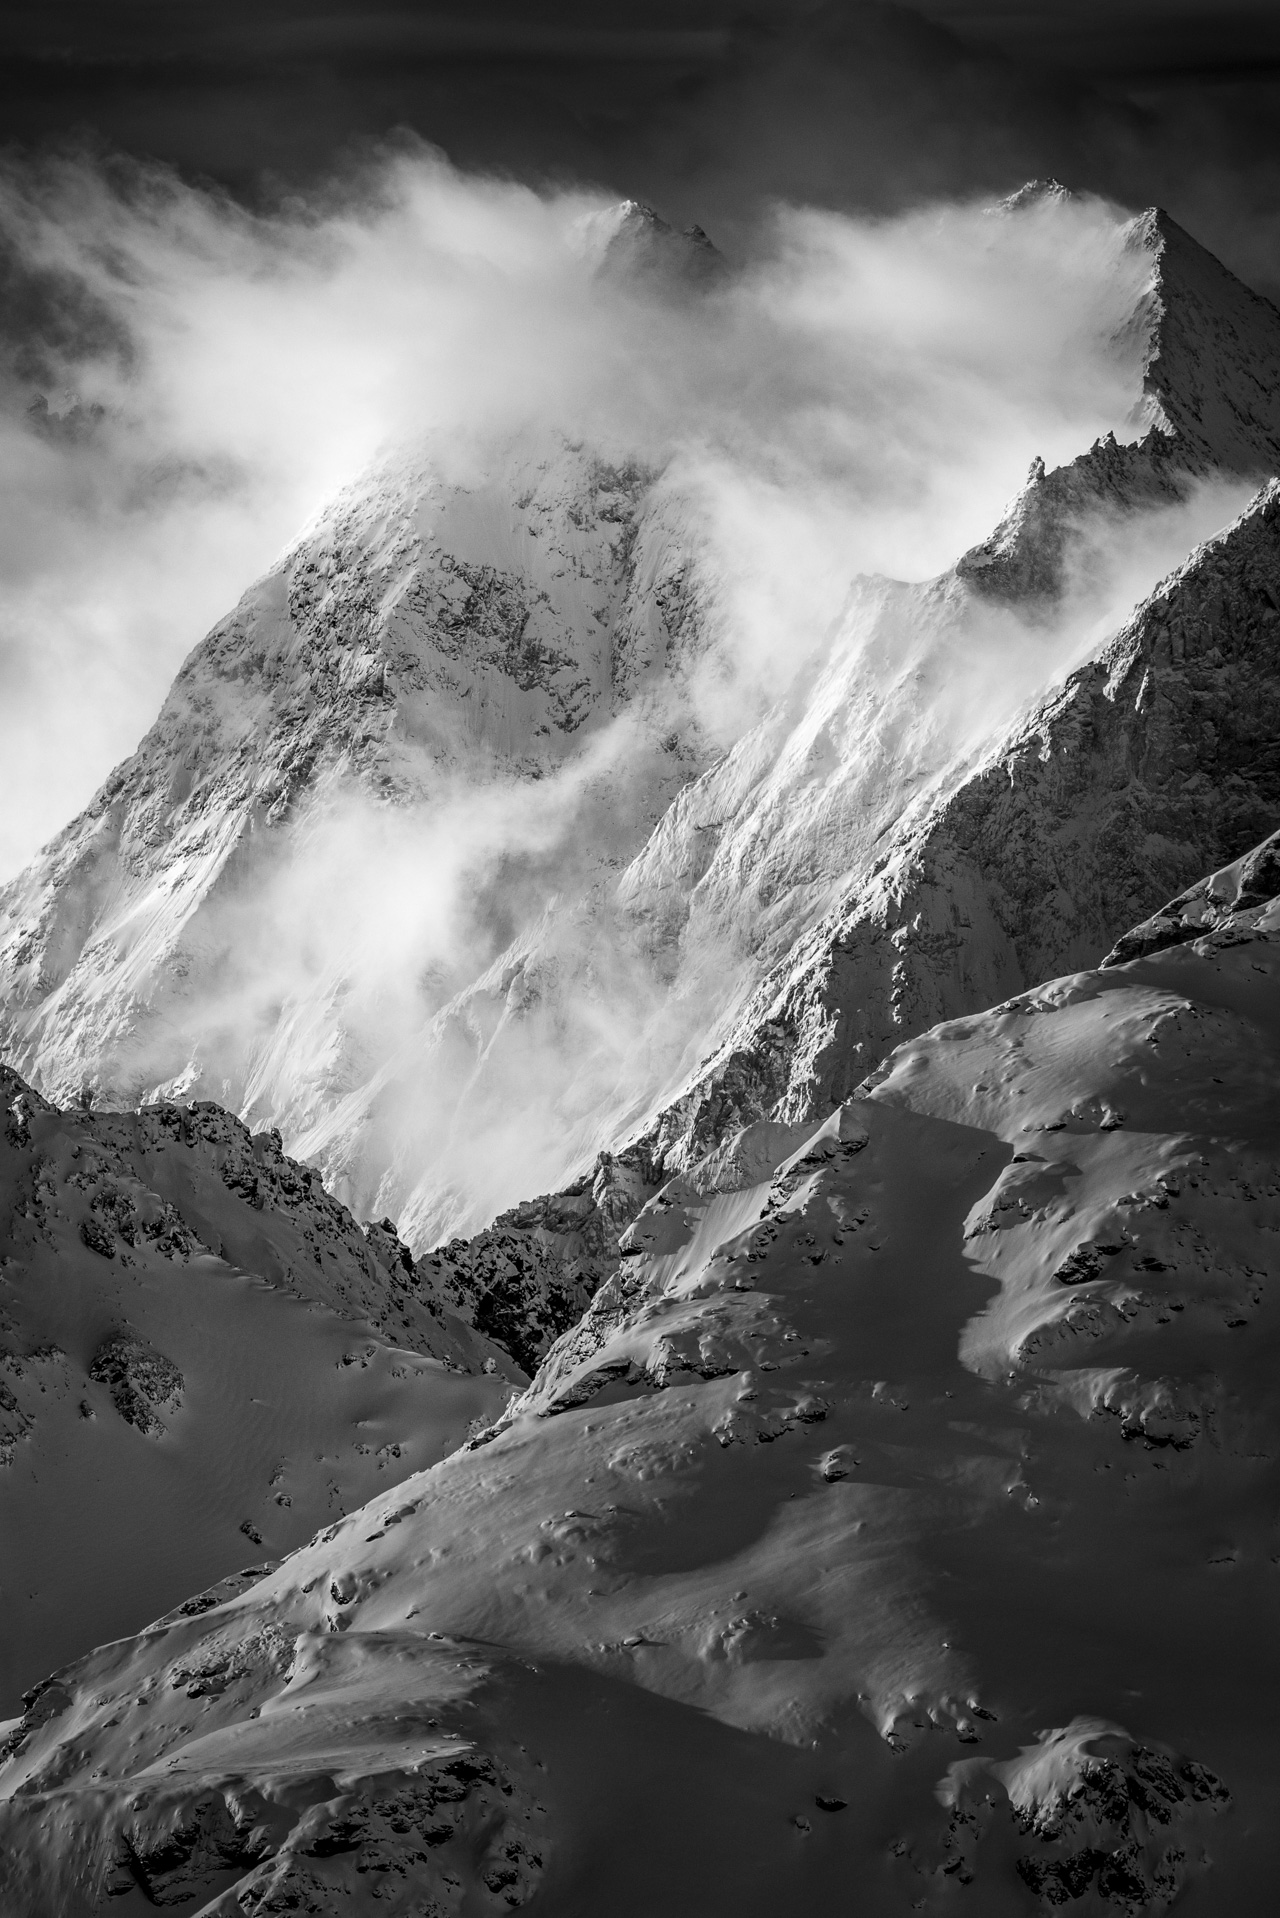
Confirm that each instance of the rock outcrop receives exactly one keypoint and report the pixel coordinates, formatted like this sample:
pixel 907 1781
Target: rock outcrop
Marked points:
pixel 530 1275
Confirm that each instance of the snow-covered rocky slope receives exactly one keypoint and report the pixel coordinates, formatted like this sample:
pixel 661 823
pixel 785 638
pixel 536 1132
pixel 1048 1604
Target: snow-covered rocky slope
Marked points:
pixel 431 640
pixel 202 1357
pixel 1155 759
pixel 898 1525
pixel 426 640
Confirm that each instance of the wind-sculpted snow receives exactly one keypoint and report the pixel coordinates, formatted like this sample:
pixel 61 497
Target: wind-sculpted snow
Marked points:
pixel 201 1356
pixel 899 1519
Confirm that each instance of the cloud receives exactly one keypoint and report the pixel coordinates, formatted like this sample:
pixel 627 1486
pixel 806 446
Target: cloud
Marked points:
pixel 859 394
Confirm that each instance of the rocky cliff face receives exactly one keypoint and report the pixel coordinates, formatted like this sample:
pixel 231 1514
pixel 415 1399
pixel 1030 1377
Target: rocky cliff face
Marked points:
pixel 963 888
pixel 825 1542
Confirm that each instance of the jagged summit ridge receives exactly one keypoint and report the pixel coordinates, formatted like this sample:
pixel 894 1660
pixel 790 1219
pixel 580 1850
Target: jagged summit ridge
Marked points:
pixel 1151 763
pixel 1035 193
pixel 1212 374
pixel 639 241
pixel 1210 367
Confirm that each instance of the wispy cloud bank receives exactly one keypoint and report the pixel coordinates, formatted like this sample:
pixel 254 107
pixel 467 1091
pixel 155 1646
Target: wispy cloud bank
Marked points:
pixel 859 395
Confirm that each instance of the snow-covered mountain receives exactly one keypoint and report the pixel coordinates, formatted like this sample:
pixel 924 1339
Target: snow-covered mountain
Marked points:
pixel 202 1357
pixel 1155 759
pixel 677 941
pixel 855 1475
pixel 899 1520
pixel 923 828
pixel 847 819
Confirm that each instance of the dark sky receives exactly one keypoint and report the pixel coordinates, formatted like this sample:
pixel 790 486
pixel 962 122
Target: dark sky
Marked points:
pixel 703 106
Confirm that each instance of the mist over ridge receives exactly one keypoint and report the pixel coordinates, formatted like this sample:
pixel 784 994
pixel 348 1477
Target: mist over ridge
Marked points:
pixel 867 391
pixel 342 907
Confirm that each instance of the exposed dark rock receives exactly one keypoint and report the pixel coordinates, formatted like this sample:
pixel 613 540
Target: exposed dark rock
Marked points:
pixel 1245 884
pixel 142 1381
pixel 531 1274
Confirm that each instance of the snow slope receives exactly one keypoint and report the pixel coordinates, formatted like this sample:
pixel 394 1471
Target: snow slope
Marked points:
pixel 202 1356
pixel 899 1519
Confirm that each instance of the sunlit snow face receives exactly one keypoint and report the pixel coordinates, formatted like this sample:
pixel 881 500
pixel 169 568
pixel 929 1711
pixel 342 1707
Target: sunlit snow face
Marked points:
pixel 860 396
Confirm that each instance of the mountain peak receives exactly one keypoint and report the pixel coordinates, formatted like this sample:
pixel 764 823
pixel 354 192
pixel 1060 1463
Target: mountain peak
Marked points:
pixel 1036 193
pixel 640 241
pixel 1211 373
pixel 1209 403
